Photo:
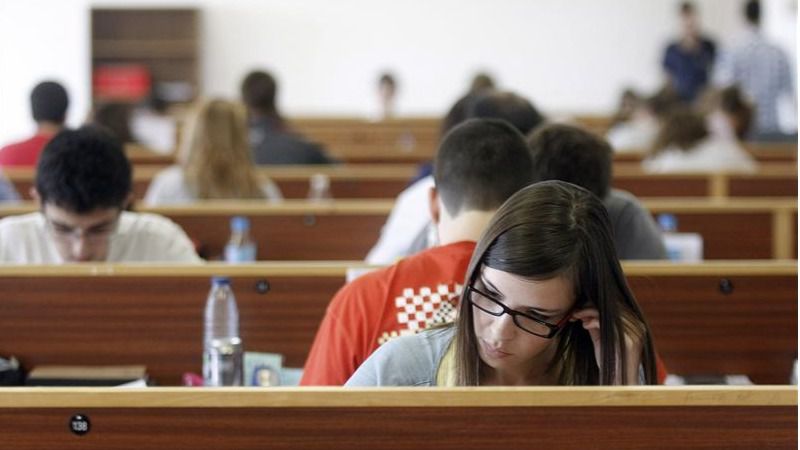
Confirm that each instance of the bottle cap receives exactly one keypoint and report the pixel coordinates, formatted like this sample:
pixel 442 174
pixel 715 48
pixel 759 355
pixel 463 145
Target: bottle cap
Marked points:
pixel 668 222
pixel 240 223
pixel 219 280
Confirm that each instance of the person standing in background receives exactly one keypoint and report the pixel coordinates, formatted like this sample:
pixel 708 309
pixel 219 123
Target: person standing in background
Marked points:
pixel 688 62
pixel 761 69
pixel 49 103
pixel 387 95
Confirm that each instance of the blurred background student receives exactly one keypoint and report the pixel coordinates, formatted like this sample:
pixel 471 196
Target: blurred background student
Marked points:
pixel 214 161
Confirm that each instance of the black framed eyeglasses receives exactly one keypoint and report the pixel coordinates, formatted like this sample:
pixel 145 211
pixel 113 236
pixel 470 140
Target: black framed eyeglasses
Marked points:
pixel 530 324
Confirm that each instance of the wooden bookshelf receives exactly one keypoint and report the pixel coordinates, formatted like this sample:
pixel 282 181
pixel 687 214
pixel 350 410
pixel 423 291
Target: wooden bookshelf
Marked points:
pixel 164 41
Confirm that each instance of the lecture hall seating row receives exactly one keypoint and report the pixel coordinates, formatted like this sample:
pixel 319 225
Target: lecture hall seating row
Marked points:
pixel 619 418
pixel 712 318
pixel 388 181
pixel 302 230
pixel 414 140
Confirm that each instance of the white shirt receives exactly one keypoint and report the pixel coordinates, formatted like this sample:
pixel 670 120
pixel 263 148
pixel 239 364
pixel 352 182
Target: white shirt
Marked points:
pixel 409 217
pixel 763 72
pixel 635 135
pixel 712 154
pixel 169 188
pixel 140 237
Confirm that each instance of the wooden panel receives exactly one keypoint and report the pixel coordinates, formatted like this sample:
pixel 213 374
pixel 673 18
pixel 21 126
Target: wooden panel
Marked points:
pixel 290 237
pixel 730 235
pixel 169 420
pixel 153 316
pixel 723 324
pixel 155 321
pixel 661 186
pixel 750 186
pixel 406 140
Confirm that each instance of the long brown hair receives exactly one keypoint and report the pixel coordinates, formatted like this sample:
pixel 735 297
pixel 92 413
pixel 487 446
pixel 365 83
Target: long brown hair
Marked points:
pixel 550 229
pixel 215 155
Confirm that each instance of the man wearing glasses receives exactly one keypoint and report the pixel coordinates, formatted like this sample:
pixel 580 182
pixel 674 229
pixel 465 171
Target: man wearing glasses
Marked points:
pixel 83 186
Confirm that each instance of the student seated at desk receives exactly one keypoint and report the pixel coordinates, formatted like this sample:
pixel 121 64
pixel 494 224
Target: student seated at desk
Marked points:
pixel 545 302
pixel 83 186
pixel 685 144
pixel 574 155
pixel 213 162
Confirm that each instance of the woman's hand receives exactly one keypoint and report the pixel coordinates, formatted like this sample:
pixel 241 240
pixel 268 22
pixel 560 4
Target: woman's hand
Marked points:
pixel 590 319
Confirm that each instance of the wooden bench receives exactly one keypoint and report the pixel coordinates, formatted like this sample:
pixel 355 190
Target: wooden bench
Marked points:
pixel 707 319
pixel 347 229
pixel 616 418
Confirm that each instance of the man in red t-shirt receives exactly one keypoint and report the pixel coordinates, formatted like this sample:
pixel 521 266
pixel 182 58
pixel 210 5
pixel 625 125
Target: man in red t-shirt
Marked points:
pixel 49 102
pixel 478 166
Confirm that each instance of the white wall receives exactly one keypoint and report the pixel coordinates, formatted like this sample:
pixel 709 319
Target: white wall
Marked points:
pixel 566 55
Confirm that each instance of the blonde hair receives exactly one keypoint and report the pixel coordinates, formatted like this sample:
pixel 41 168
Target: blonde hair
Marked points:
pixel 215 153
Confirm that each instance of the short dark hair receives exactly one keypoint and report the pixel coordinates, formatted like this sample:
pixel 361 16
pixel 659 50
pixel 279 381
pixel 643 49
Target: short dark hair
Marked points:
pixel 457 113
pixel 571 154
pixel 752 11
pixel 49 102
pixel 387 78
pixel 687 8
pixel 480 163
pixel 258 90
pixel 481 82
pixel 83 170
pixel 508 106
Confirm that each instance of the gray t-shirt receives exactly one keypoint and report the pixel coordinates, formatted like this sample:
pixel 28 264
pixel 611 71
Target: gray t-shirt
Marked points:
pixel 406 360
pixel 636 234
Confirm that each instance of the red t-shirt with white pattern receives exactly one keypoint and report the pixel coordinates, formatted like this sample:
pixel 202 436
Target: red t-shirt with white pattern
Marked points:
pixel 404 298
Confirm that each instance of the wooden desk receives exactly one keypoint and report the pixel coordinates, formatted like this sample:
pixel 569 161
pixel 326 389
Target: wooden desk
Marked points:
pixel 757 228
pixel 347 229
pixel 773 180
pixel 387 181
pixel 354 140
pixel 477 418
pixel 712 318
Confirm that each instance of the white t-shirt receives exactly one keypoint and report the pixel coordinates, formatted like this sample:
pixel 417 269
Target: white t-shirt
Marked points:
pixel 140 237
pixel 169 188
pixel 712 154
pixel 409 218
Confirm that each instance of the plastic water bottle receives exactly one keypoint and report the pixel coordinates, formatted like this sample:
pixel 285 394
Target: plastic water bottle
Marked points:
pixel 669 226
pixel 240 247
pixel 222 347
pixel 319 187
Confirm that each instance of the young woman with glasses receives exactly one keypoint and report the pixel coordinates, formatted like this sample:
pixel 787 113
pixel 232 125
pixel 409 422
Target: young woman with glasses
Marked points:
pixel 545 302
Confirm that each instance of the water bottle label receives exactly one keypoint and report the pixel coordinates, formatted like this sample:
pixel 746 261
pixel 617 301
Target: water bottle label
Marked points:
pixel 240 254
pixel 223 363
